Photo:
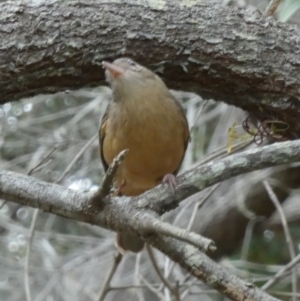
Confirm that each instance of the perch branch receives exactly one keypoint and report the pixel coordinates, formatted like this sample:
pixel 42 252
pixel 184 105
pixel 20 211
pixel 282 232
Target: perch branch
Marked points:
pixel 250 61
pixel 117 213
pixel 105 188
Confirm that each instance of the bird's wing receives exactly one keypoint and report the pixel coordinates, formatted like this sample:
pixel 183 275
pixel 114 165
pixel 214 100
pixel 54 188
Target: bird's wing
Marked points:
pixel 186 133
pixel 102 130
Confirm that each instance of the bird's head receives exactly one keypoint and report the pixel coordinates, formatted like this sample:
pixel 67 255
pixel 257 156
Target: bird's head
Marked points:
pixel 127 78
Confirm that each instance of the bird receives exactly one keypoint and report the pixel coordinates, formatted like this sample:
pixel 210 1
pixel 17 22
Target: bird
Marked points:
pixel 144 118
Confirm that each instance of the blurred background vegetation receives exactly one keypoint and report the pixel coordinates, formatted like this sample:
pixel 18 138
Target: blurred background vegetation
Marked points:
pixel 54 138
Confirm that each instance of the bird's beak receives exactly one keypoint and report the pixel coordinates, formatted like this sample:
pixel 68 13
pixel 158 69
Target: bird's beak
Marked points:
pixel 113 70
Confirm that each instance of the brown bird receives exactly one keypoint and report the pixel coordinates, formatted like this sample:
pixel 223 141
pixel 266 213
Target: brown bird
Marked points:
pixel 145 118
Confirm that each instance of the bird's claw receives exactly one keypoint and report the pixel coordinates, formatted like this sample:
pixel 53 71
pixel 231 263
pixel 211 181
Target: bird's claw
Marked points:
pixel 170 180
pixel 117 191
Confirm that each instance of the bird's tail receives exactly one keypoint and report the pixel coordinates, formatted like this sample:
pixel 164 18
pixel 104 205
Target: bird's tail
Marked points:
pixel 129 242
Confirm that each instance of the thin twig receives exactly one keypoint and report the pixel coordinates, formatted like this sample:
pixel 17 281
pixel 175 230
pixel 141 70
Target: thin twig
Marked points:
pixel 155 225
pixel 133 286
pixel 287 233
pixel 171 288
pixel 27 256
pixel 281 273
pixel 200 203
pixel 35 214
pixel 164 288
pixel 104 190
pixel 107 182
pixel 68 168
pixel 272 7
pixel 197 206
pixel 106 286
pixel 248 236
pixel 43 161
pixel 152 288
pixel 222 152
pixel 42 166
pixel 199 111
pixel 185 293
pixel 137 280
pixel 31 230
pixel 141 286
pixel 285 294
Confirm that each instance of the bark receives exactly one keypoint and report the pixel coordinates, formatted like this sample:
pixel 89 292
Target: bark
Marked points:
pixel 206 175
pixel 248 61
pixel 226 54
pixel 140 213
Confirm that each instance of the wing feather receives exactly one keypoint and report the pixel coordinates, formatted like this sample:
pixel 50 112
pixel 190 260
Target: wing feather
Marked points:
pixel 102 131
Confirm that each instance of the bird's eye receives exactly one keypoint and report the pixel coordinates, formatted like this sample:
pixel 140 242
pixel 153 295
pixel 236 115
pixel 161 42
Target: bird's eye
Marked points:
pixel 131 63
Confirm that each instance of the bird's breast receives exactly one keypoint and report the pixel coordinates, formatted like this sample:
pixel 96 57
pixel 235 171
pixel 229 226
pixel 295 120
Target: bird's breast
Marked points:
pixel 154 137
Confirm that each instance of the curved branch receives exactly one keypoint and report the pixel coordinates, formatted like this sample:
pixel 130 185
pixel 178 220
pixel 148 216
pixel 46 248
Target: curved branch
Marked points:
pixel 249 61
pixel 119 213
pixel 203 268
pixel 74 204
pixel 195 180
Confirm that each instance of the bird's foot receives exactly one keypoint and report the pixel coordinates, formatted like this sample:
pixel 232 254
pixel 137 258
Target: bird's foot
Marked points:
pixel 117 190
pixel 170 180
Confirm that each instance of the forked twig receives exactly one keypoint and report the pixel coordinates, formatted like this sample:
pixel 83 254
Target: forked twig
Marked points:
pixel 151 288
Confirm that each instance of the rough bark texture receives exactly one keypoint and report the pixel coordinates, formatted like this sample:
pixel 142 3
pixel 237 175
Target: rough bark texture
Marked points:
pixel 158 199
pixel 203 268
pixel 133 214
pixel 118 214
pixel 203 176
pixel 226 54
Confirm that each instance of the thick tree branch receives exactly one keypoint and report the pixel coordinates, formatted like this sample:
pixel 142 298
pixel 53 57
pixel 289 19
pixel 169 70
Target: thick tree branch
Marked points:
pixel 203 176
pixel 56 199
pixel 222 53
pixel 76 205
pixel 203 268
pixel 119 213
